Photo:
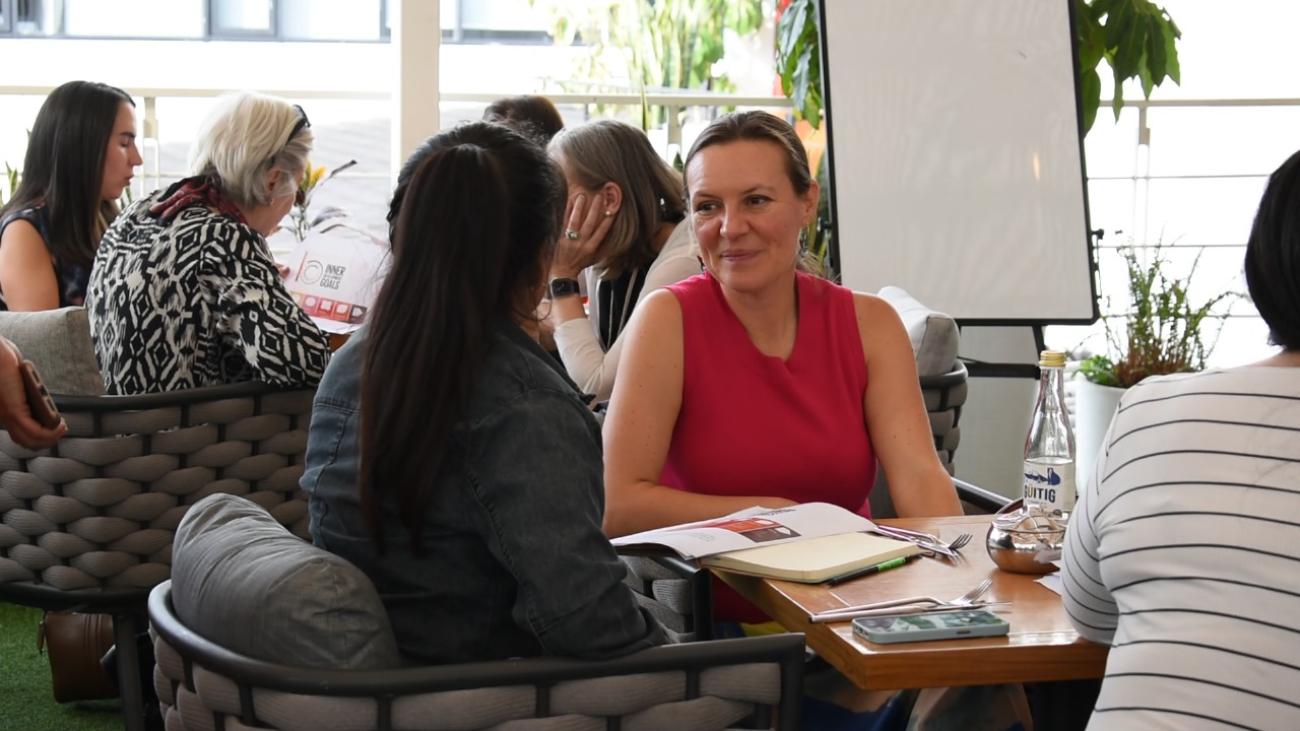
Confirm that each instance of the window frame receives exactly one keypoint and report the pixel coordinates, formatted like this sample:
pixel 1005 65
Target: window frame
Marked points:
pixel 220 34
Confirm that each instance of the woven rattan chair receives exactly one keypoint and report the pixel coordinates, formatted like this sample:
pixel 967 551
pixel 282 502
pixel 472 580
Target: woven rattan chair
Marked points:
pixel 700 685
pixel 675 592
pixel 944 396
pixel 87 525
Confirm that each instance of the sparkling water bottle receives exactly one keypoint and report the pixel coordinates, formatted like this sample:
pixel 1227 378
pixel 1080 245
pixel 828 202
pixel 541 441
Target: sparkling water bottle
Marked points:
pixel 1049 448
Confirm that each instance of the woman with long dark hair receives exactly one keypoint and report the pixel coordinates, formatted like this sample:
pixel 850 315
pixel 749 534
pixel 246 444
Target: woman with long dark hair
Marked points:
pixel 450 458
pixel 80 157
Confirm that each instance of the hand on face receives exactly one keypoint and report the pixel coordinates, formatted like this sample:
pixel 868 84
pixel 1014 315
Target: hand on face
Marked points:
pixel 587 222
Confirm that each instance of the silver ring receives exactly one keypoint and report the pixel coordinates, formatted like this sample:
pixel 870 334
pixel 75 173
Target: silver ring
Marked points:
pixel 571 234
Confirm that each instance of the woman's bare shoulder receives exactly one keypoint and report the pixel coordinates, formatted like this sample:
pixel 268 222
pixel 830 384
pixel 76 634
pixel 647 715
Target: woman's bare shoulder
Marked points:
pixel 22 242
pixel 873 311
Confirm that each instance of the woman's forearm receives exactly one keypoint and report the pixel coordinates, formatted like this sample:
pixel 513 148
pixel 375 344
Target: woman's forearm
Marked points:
pixel 927 493
pixel 567 308
pixel 591 367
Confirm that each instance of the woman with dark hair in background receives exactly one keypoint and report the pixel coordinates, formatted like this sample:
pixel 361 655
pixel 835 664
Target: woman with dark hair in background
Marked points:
pixel 535 117
pixel 623 234
pixel 80 157
pixel 449 456
pixel 1181 552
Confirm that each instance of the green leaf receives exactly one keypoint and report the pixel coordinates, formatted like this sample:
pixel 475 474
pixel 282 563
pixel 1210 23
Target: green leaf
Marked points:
pixel 1090 97
pixel 795 14
pixel 1117 102
pixel 1144 76
pixel 1155 47
pixel 1117 22
pixel 1171 34
pixel 812 112
pixel 1090 40
pixel 1128 55
pixel 1100 370
pixel 802 78
pixel 1097 9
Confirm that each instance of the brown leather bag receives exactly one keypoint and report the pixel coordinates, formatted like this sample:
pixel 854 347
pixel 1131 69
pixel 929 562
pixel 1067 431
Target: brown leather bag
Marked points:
pixel 75 642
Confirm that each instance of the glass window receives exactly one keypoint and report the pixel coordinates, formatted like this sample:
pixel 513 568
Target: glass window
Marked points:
pixel 1109 145
pixel 243 18
pixel 502 15
pixel 133 18
pixel 332 20
pixel 4 16
pixel 1202 210
pixel 37 17
pixel 1187 141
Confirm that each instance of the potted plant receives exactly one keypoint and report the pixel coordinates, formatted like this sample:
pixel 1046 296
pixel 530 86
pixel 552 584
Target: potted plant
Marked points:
pixel 1160 333
pixel 303 221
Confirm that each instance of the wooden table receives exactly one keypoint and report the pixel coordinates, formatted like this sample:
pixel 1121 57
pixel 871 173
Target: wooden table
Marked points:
pixel 1042 645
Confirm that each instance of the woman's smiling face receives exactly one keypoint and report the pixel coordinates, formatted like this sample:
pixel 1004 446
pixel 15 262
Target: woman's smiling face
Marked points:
pixel 746 213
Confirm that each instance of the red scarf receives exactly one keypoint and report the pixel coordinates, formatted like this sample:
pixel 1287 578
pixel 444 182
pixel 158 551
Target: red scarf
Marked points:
pixel 191 192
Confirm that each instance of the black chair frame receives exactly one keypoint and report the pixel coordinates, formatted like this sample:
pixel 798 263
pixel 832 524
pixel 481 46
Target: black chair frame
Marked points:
pixel 385 685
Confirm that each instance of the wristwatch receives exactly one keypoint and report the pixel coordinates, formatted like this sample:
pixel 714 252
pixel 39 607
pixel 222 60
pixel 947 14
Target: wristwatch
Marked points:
pixel 563 287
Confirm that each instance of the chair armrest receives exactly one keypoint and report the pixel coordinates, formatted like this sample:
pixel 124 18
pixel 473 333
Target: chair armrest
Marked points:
pixel 985 500
pixel 698 583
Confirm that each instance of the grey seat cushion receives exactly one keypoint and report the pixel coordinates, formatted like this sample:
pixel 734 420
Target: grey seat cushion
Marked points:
pixel 242 580
pixel 933 334
pixel 58 342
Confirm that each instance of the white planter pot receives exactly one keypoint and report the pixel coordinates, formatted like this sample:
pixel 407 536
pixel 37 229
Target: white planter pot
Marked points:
pixel 1094 407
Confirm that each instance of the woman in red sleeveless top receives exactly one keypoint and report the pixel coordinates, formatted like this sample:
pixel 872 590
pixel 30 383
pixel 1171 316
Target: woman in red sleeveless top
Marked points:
pixel 754 383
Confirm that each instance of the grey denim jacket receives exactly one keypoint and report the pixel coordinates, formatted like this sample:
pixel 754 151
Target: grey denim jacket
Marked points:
pixel 515 563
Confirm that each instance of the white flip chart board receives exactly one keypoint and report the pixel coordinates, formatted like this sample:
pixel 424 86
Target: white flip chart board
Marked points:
pixel 956 158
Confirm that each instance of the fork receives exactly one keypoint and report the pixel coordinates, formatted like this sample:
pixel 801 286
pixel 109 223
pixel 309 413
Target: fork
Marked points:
pixel 960 541
pixel 927 541
pixel 894 605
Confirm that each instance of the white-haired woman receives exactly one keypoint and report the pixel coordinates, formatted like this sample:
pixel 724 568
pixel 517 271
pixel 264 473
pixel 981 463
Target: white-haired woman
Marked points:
pixel 184 291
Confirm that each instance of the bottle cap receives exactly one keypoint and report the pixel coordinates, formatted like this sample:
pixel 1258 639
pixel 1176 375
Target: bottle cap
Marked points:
pixel 1051 359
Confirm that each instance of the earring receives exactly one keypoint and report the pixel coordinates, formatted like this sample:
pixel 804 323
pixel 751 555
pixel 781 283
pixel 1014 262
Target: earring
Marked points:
pixel 803 239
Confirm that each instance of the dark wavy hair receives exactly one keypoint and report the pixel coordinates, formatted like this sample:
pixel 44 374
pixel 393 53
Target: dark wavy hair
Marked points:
pixel 533 116
pixel 474 219
pixel 1273 255
pixel 64 167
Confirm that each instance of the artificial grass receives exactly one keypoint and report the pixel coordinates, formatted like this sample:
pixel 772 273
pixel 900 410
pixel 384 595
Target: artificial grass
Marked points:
pixel 26 701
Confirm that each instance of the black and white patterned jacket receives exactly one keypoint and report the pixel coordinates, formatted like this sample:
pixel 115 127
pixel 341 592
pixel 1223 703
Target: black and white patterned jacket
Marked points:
pixel 195 302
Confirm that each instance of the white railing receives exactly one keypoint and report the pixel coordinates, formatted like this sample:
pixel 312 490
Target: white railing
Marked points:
pixel 1142 176
pixel 674 103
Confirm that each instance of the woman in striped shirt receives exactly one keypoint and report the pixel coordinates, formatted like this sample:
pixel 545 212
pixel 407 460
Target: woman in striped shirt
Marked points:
pixel 1184 550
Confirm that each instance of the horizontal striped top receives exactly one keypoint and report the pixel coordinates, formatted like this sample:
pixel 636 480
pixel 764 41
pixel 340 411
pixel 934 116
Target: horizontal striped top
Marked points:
pixel 1184 554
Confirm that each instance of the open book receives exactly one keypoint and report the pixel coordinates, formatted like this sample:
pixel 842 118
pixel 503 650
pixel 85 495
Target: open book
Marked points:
pixel 814 560
pixel 808 542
